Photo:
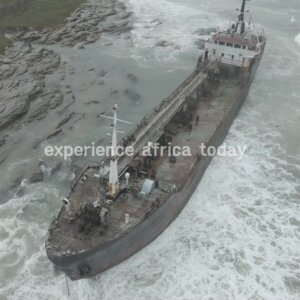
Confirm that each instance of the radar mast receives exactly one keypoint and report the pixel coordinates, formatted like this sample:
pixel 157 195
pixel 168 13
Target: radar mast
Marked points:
pixel 240 25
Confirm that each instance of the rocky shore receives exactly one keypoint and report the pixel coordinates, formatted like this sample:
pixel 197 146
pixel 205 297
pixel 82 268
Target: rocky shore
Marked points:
pixel 84 26
pixel 27 96
pixel 22 75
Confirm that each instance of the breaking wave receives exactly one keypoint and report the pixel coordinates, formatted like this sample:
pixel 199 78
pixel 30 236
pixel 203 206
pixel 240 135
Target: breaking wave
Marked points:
pixel 164 29
pixel 297 39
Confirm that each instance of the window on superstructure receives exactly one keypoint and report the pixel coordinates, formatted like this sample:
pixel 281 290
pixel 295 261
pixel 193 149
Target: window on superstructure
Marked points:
pixel 229 45
pixel 244 47
pixel 221 43
pixel 237 46
pixel 222 54
pixel 214 51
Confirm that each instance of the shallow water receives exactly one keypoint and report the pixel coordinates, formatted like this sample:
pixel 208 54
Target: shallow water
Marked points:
pixel 239 235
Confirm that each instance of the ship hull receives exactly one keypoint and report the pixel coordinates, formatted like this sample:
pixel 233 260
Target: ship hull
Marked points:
pixel 95 261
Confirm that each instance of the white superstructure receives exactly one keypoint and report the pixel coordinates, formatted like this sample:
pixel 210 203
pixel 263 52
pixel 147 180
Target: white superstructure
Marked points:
pixel 238 46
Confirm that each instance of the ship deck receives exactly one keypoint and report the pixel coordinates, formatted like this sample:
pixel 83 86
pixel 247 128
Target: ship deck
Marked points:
pixel 65 236
pixel 211 112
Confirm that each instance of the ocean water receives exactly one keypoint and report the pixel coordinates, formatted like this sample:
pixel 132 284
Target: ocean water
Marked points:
pixel 239 235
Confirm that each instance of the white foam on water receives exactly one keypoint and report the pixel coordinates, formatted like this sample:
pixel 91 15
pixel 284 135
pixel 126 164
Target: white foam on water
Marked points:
pixel 171 22
pixel 24 221
pixel 297 39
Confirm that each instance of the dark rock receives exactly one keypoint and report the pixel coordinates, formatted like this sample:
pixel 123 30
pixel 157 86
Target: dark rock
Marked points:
pixel 17 101
pixel 56 167
pixel 124 15
pixel 65 120
pixel 37 143
pixel 3 157
pixel 36 177
pixel 2 142
pixel 35 174
pixel 54 133
pixel 91 39
pixel 164 44
pixel 132 95
pixel 132 78
pixel 11 109
pixel 39 111
pixel 51 164
pixel 42 61
pixel 117 27
pixel 102 73
pixel 7 69
pixel 23 74
pixel 56 100
pixel 121 29
pixel 31 36
pixel 41 106
pixel 114 93
pixel 79 117
pixel 65 108
pixel 93 102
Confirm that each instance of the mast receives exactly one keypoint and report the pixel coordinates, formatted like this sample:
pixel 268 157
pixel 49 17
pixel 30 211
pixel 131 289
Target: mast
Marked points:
pixel 113 171
pixel 240 25
pixel 243 11
pixel 113 184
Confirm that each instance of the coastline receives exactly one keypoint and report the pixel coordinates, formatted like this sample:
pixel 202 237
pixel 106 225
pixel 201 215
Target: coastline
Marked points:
pixel 28 92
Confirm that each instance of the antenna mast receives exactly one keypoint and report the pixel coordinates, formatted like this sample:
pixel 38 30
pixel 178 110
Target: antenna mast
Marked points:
pixel 240 25
pixel 241 17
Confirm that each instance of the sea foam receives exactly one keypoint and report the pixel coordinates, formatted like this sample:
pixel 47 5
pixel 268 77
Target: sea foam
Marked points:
pixel 297 39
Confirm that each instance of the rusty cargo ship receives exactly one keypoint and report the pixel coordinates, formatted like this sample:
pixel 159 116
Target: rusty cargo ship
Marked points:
pixel 119 205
